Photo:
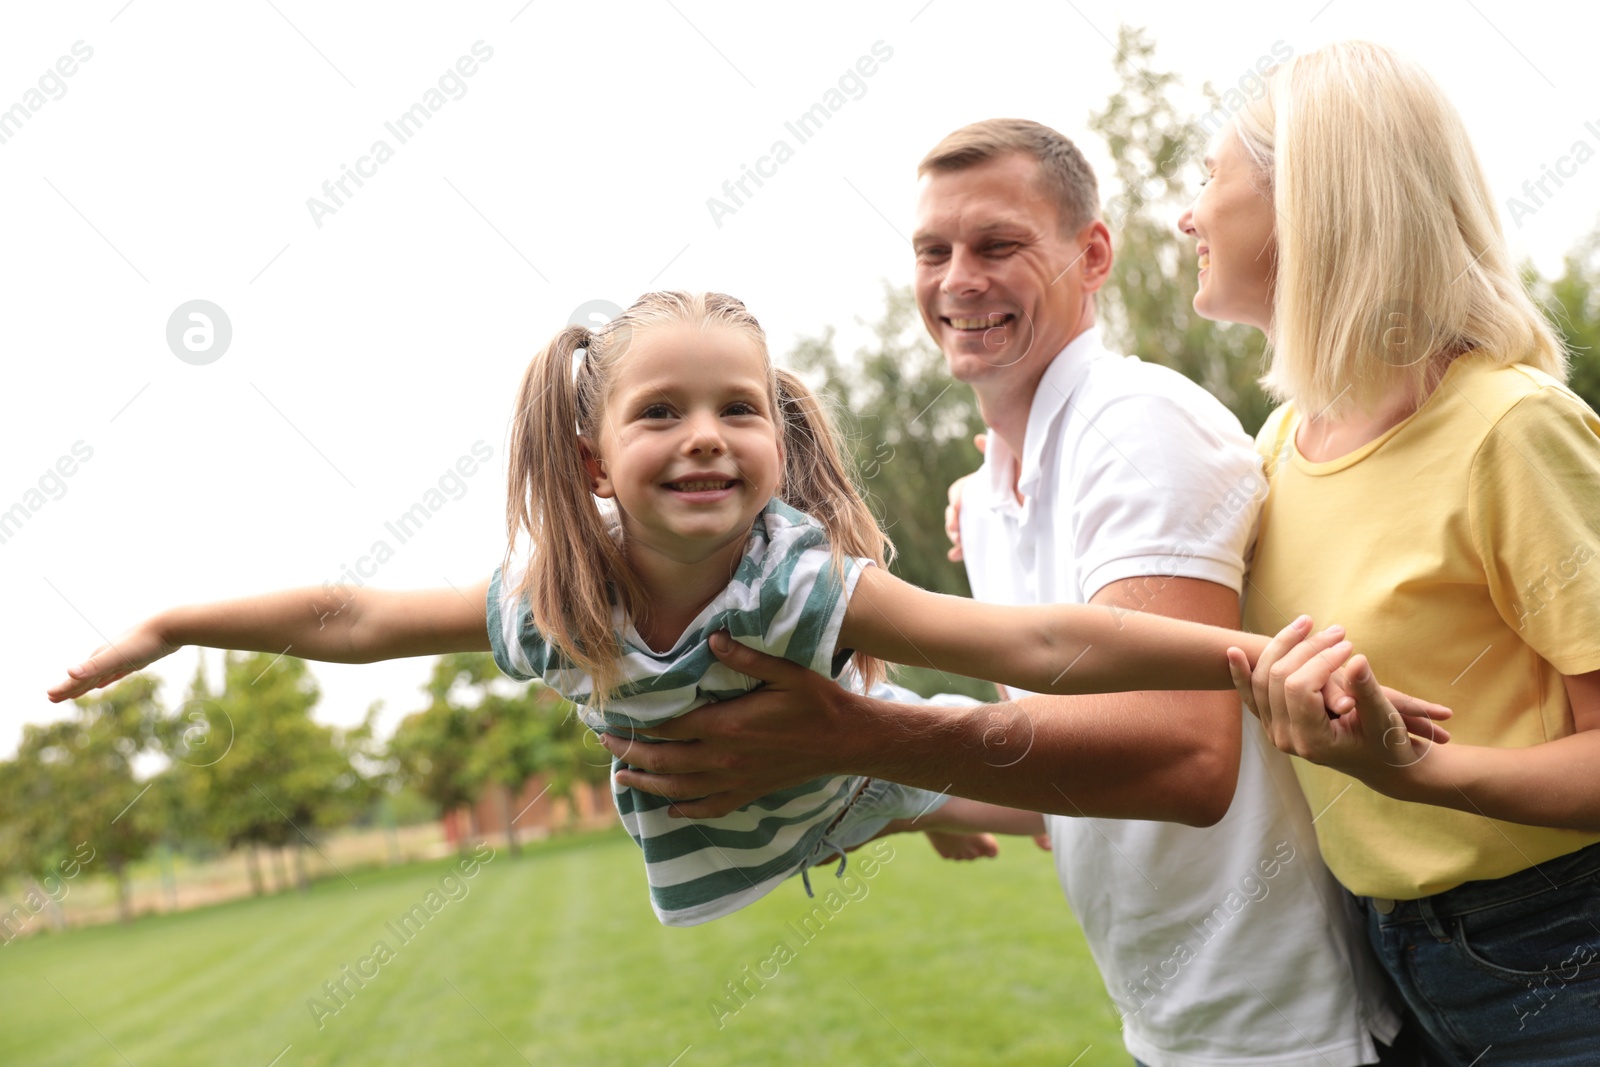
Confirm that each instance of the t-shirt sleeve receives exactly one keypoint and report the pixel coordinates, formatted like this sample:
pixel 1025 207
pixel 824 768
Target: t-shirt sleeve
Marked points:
pixel 1163 490
pixel 804 598
pixel 1272 440
pixel 519 650
pixel 1534 507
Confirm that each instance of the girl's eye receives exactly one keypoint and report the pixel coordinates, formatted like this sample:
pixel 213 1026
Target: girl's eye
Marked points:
pixel 742 407
pixel 656 411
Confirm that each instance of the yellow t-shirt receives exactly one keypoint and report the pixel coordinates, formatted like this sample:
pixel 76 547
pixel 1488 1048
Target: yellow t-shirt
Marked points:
pixel 1460 551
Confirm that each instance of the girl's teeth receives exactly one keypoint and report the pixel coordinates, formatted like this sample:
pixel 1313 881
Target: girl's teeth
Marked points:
pixel 1205 261
pixel 700 487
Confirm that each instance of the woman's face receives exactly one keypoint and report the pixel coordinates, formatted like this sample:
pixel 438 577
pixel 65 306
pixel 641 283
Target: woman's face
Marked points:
pixel 1232 224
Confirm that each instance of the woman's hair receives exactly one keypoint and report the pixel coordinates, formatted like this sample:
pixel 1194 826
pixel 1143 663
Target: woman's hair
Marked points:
pixel 577 567
pixel 1390 257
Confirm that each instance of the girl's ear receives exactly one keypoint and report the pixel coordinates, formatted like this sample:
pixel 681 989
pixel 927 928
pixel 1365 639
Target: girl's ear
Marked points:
pixel 599 481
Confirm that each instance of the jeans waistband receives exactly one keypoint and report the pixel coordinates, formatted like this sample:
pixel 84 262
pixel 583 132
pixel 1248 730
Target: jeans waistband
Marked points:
pixel 1470 897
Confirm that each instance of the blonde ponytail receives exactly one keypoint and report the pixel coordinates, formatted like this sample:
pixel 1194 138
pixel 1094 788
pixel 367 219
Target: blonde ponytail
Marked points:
pixel 570 589
pixel 817 482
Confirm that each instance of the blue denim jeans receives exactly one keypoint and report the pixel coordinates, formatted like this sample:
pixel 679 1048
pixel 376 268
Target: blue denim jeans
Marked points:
pixel 1510 965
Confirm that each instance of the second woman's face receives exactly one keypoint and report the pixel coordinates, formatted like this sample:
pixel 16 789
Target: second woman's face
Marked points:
pixel 1232 222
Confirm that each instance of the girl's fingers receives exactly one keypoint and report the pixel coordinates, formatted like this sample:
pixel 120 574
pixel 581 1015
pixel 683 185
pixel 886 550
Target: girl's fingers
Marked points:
pixel 1286 639
pixel 1302 690
pixel 1239 668
pixel 1291 661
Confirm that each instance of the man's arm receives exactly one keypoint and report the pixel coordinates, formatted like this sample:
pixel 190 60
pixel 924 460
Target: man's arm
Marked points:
pixel 1168 756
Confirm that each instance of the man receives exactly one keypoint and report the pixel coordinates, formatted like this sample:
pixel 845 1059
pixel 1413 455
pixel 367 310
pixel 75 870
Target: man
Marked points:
pixel 1121 483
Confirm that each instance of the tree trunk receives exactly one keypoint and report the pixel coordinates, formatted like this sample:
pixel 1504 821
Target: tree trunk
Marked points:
pixel 391 837
pixel 281 870
pixel 253 861
pixel 506 817
pixel 124 897
pixel 168 880
pixel 301 882
pixel 473 824
pixel 58 918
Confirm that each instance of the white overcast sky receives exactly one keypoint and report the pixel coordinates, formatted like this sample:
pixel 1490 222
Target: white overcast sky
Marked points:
pixel 370 354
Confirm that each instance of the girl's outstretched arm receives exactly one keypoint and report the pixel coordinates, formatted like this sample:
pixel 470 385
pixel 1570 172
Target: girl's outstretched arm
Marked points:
pixel 335 625
pixel 1044 648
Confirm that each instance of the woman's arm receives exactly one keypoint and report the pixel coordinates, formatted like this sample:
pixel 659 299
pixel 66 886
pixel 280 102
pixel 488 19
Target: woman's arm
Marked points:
pixel 1047 648
pixel 337 626
pixel 1551 784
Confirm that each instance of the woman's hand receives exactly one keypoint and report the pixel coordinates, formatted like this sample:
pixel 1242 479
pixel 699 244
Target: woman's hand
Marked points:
pixel 1373 731
pixel 133 651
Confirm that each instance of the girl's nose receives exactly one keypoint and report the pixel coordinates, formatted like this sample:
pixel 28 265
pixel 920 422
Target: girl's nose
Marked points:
pixel 705 435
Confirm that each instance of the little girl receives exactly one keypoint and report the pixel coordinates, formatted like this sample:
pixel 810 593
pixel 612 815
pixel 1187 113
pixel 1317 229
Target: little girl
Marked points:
pixel 726 507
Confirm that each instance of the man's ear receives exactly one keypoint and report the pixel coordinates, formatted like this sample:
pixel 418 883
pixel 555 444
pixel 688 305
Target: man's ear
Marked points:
pixel 599 481
pixel 1095 260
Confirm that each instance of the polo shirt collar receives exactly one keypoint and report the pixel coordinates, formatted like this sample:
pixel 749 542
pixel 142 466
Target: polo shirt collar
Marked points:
pixel 1055 391
pixel 1050 399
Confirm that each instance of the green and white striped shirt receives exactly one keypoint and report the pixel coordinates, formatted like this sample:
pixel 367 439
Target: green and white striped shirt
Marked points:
pixel 786 599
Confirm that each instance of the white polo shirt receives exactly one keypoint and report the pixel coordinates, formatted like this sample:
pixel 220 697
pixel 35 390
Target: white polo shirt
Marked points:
pixel 1225 945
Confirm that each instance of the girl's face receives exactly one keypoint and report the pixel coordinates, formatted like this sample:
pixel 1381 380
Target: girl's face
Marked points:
pixel 689 447
pixel 1232 221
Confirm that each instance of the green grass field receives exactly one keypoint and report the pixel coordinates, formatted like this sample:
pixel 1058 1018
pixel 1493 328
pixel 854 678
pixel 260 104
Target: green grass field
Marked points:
pixel 555 958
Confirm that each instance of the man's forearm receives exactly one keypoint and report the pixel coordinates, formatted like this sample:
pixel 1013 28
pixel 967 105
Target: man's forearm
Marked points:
pixel 1167 756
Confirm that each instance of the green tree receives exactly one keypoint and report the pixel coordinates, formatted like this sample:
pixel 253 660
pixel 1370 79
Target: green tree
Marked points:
pixel 1146 308
pixel 433 748
pixel 1573 302
pixel 908 427
pixel 266 774
pixel 72 787
pixel 478 733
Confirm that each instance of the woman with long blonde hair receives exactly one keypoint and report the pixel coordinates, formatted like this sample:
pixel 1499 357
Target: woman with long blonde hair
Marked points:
pixel 1436 488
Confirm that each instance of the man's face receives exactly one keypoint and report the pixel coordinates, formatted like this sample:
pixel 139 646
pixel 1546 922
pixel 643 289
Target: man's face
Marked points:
pixel 999 286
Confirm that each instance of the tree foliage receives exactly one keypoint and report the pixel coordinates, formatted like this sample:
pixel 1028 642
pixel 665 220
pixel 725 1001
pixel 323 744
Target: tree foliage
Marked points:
pixel 480 733
pixel 1147 307
pixel 267 773
pixel 1572 300
pixel 72 784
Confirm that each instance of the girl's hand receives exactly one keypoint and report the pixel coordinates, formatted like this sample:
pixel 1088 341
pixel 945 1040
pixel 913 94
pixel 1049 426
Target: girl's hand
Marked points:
pixel 1286 692
pixel 133 651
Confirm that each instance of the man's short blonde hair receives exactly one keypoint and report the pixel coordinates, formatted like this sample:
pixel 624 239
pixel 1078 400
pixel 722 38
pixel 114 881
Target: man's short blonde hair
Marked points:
pixel 1066 175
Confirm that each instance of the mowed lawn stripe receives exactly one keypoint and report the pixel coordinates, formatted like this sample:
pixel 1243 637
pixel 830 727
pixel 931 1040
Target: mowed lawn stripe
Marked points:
pixel 559 951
